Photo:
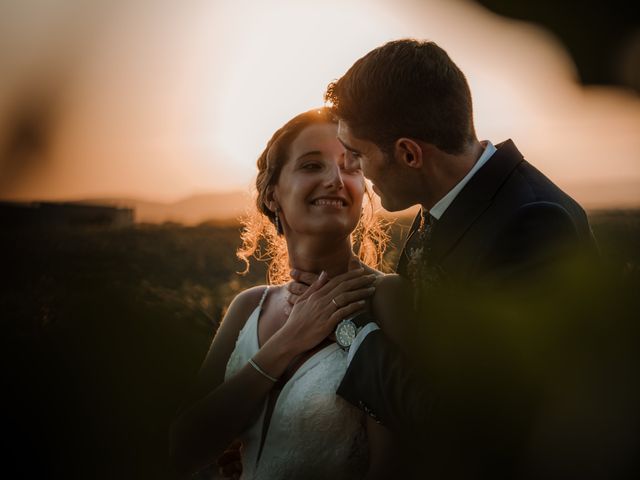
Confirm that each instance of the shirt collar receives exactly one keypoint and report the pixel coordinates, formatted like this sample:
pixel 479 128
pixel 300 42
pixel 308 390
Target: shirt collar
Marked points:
pixel 439 208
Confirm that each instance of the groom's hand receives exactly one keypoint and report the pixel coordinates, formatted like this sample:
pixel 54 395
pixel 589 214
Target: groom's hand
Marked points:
pixel 230 462
pixel 300 284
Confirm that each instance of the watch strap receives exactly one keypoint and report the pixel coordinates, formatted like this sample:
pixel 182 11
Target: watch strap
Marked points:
pixel 361 319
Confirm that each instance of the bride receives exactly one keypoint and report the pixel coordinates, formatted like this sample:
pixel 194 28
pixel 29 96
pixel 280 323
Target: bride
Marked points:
pixel 270 376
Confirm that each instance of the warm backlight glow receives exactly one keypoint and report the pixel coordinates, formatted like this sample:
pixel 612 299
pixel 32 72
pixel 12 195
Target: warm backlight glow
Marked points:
pixel 180 99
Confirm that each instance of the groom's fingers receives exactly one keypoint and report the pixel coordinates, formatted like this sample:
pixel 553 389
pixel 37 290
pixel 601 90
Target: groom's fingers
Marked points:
pixel 293 298
pixel 232 471
pixel 303 277
pixel 355 264
pixel 297 288
pixel 229 463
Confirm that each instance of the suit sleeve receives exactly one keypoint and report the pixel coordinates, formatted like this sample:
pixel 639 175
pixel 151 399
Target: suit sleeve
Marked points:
pixel 381 381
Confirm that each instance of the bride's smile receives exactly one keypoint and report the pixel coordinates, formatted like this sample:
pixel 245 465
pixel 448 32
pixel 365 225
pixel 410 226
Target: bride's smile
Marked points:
pixel 333 202
pixel 315 193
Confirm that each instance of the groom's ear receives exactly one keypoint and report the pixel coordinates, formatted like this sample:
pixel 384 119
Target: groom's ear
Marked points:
pixel 408 152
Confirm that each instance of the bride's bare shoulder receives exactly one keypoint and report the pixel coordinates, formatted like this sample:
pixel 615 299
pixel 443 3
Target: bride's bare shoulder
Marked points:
pixel 243 304
pixel 248 297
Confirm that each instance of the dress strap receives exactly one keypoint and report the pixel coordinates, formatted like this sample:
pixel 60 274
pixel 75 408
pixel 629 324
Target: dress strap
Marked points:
pixel 264 295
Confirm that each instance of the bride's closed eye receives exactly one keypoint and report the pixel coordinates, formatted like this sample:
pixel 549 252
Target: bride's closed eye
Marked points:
pixel 311 166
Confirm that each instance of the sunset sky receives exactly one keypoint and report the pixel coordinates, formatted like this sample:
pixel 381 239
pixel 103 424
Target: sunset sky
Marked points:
pixel 161 100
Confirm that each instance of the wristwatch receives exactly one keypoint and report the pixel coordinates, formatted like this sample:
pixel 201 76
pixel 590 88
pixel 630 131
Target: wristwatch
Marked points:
pixel 348 328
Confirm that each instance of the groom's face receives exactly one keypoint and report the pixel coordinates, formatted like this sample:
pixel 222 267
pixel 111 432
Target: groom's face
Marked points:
pixel 377 166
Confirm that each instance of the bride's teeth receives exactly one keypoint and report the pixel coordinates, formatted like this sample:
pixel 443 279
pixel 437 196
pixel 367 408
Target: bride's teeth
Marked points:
pixel 333 203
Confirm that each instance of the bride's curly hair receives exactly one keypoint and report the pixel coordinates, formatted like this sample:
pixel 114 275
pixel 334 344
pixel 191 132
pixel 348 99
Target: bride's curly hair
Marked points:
pixel 259 236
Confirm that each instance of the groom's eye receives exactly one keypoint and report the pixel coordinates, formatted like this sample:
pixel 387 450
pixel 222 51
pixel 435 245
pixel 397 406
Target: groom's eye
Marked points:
pixel 350 169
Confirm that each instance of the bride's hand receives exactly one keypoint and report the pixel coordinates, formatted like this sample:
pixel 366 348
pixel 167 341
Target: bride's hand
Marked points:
pixel 317 311
pixel 303 280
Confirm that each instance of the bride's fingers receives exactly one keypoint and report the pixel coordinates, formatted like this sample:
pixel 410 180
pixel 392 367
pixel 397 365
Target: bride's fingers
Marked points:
pixel 353 296
pixel 357 283
pixel 345 312
pixel 317 285
pixel 346 281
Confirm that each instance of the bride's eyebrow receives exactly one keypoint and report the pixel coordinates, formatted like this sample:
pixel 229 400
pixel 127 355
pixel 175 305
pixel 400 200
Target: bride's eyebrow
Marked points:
pixel 308 154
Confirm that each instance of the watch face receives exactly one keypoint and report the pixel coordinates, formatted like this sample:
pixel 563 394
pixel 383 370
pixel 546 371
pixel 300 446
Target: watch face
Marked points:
pixel 345 333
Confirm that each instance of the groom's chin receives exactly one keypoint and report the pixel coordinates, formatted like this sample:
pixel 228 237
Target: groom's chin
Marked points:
pixel 391 206
pixel 387 205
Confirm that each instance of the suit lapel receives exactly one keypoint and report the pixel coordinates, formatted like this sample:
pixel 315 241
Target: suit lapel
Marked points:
pixel 474 199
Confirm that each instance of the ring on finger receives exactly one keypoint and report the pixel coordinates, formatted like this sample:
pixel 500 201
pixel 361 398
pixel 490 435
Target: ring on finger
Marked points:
pixel 333 300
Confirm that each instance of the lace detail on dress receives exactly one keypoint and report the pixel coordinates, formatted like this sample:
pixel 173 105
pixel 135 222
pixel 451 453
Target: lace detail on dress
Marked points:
pixel 313 433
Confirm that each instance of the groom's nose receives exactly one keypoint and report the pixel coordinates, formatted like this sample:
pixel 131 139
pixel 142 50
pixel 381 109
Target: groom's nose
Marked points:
pixel 334 177
pixel 350 162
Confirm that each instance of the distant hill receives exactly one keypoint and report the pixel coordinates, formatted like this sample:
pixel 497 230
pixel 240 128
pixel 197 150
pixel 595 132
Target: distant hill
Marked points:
pixel 189 211
pixel 226 207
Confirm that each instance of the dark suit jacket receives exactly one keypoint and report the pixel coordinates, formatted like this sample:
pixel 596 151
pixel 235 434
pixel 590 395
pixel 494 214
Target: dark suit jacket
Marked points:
pixel 463 400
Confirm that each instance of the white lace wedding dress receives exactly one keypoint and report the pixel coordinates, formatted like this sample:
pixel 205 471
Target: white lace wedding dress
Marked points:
pixel 312 432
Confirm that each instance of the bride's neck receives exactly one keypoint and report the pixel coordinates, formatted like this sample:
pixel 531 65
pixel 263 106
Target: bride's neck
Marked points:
pixel 314 254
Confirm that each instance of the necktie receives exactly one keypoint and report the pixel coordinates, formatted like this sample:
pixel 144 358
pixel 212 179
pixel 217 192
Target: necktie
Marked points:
pixel 417 249
pixel 425 228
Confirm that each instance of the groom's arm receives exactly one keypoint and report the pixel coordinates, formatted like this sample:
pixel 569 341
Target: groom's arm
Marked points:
pixel 382 381
pixel 382 378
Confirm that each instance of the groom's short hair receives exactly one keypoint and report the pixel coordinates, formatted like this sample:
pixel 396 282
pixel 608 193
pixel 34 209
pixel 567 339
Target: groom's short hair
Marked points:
pixel 405 88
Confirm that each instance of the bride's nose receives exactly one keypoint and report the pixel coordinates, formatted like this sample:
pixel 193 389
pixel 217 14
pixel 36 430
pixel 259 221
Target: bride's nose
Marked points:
pixel 334 178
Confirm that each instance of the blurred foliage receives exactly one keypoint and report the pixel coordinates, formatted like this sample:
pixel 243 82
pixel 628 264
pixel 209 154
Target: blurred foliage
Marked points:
pixel 551 362
pixel 105 330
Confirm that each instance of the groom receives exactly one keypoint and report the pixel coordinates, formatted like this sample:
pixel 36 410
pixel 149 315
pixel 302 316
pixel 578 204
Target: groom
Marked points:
pixel 490 225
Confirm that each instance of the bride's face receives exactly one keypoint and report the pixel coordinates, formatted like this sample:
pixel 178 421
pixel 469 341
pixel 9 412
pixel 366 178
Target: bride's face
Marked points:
pixel 315 193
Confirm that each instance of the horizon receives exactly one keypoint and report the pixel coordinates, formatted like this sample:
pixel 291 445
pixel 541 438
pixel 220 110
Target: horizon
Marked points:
pixel 202 207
